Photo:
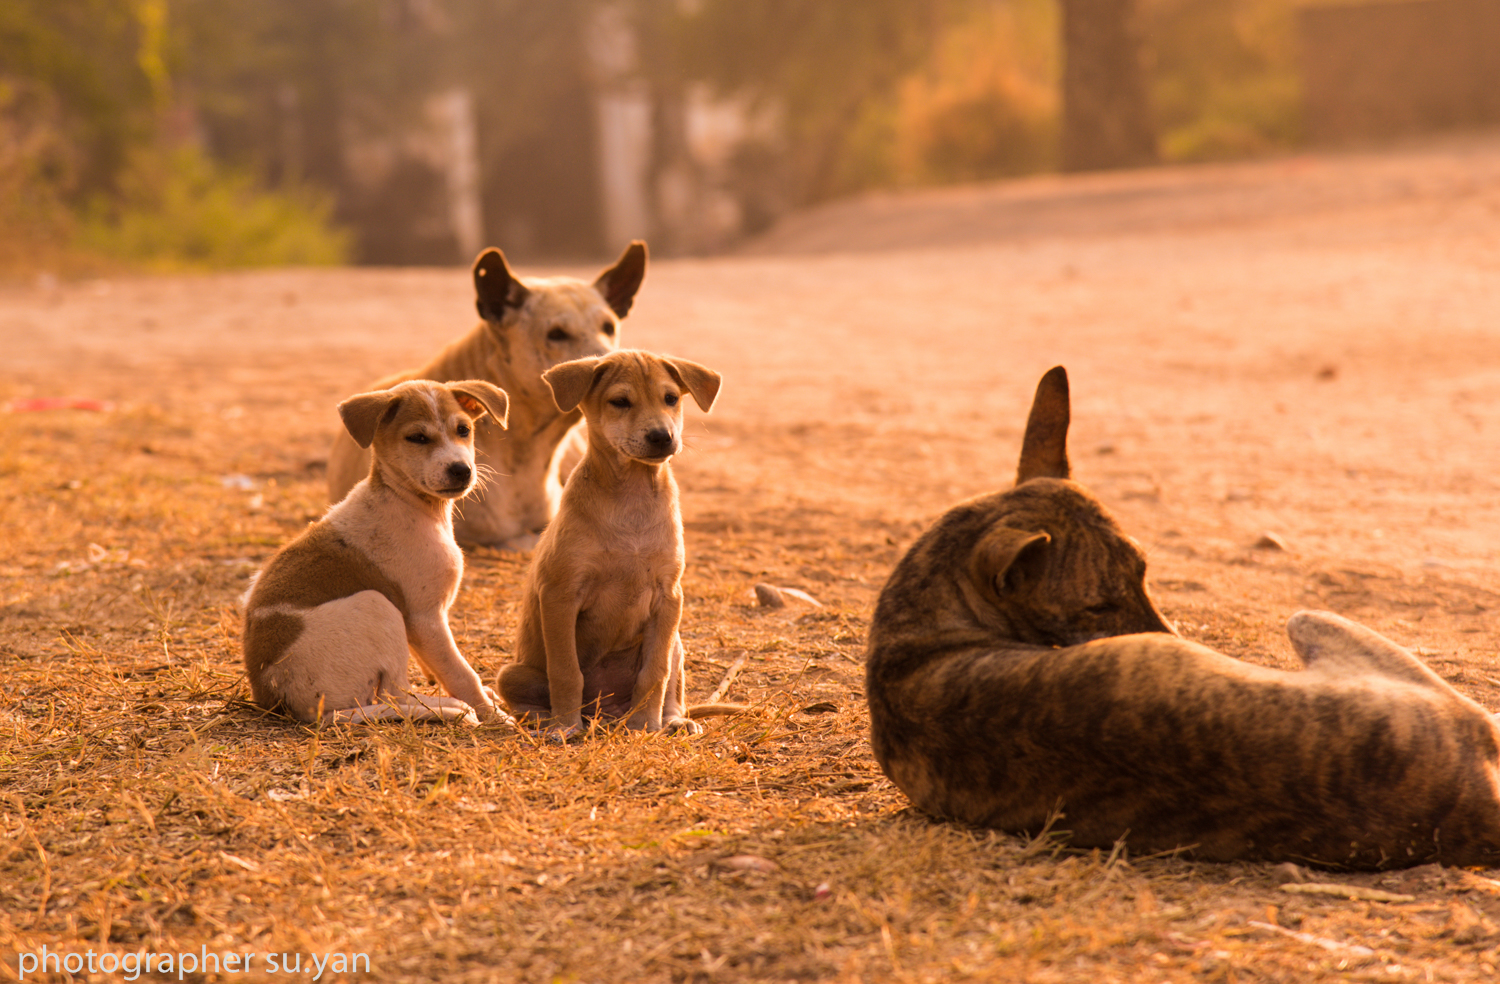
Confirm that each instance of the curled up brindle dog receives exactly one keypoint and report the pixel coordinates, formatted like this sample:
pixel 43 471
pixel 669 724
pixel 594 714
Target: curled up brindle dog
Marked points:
pixel 1018 672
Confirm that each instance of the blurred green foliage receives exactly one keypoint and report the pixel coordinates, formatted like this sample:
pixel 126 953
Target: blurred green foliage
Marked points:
pixel 1224 77
pixel 178 209
pixel 985 104
pixel 91 167
pixel 829 70
pixel 891 93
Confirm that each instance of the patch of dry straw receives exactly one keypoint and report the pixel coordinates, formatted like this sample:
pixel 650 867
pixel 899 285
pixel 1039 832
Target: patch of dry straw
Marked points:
pixel 147 807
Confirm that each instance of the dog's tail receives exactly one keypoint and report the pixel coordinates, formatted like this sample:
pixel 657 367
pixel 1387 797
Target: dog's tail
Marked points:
pixel 697 711
pixel 1337 645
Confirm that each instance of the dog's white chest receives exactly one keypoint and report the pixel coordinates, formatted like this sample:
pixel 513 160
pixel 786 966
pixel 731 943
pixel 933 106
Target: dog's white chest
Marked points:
pixel 429 572
pixel 417 554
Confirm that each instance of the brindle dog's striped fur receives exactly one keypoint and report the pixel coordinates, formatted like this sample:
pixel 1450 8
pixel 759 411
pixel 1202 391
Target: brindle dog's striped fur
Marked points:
pixel 1004 686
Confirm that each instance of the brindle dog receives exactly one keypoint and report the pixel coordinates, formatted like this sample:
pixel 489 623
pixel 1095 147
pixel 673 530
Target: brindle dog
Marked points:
pixel 1017 667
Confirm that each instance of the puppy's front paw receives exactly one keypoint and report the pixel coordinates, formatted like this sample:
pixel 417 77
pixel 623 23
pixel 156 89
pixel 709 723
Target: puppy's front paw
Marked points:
pixel 497 716
pixel 491 711
pixel 488 710
pixel 561 734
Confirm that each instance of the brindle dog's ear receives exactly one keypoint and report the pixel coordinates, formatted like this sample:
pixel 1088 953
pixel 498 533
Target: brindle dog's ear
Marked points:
pixel 619 283
pixel 361 414
pixel 700 381
pixel 1044 451
pixel 571 381
pixel 496 288
pixel 1005 557
pixel 480 396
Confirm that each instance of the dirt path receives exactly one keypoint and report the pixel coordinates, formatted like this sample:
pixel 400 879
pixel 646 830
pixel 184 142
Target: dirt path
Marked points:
pixel 1306 347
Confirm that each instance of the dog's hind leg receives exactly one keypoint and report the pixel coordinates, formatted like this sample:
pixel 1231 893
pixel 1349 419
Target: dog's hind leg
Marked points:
pixel 524 690
pixel 350 662
pixel 1332 644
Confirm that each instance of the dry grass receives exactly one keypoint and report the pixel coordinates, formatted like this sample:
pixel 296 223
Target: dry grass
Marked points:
pixel 144 806
pixel 148 807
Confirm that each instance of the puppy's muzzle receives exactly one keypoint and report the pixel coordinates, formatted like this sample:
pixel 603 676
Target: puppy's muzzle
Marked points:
pixel 459 475
pixel 660 442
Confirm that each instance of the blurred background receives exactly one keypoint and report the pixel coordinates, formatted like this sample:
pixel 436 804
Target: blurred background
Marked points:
pixel 214 133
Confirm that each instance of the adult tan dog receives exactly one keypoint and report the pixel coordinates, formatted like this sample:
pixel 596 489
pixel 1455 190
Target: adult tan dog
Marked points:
pixel 1016 667
pixel 529 326
pixel 330 621
pixel 603 596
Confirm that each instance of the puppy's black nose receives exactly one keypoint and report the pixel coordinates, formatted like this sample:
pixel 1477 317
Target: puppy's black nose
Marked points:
pixel 459 473
pixel 659 437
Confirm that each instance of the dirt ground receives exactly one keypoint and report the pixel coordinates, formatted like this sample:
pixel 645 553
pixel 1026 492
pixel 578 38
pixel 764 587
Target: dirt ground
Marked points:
pixel 1286 384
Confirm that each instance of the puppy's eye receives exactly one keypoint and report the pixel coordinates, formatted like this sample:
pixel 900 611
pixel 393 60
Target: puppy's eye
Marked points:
pixel 557 335
pixel 463 430
pixel 419 438
pixel 608 328
pixel 620 403
pixel 671 399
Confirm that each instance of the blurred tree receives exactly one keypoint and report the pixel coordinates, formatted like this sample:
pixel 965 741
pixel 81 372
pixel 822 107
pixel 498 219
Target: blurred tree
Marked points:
pixel 97 139
pixel 1225 81
pixel 82 59
pixel 528 68
pixel 277 84
pixel 984 103
pixel 1106 116
pixel 340 93
pixel 817 64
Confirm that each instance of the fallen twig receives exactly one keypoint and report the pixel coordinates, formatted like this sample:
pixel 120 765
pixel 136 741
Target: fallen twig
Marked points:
pixel 726 680
pixel 1327 944
pixel 1353 892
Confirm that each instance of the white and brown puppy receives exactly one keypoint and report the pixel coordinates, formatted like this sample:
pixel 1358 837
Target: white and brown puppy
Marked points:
pixel 603 596
pixel 331 620
pixel 529 326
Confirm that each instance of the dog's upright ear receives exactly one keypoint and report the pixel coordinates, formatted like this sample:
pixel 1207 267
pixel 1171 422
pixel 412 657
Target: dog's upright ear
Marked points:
pixel 619 283
pixel 362 413
pixel 700 381
pixel 1006 558
pixel 571 381
pixel 479 396
pixel 496 289
pixel 1044 450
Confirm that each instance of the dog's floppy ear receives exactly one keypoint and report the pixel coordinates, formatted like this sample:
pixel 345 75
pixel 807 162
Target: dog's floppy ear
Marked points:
pixel 700 381
pixel 1044 451
pixel 619 283
pixel 495 287
pixel 479 396
pixel 571 381
pixel 362 413
pixel 1005 557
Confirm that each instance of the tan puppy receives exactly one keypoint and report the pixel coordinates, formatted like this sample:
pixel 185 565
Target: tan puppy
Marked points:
pixel 331 620
pixel 1017 667
pixel 529 326
pixel 603 596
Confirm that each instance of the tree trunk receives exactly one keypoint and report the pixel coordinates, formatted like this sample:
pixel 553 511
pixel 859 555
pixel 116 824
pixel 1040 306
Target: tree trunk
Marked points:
pixel 1106 119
